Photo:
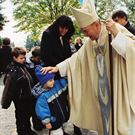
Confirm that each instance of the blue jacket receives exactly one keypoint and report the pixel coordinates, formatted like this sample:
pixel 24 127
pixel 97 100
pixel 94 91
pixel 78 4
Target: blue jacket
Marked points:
pixel 52 105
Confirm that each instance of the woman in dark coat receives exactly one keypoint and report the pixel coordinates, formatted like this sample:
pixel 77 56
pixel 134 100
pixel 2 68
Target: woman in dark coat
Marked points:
pixel 55 45
pixel 55 41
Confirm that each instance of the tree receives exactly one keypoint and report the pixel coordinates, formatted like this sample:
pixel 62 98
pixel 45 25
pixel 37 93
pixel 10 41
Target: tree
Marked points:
pixel 2 18
pixel 1 21
pixel 34 15
pixel 30 42
pixel 105 8
pixel 130 5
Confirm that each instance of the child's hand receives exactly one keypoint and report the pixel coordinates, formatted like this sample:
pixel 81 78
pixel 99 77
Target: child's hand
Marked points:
pixel 48 126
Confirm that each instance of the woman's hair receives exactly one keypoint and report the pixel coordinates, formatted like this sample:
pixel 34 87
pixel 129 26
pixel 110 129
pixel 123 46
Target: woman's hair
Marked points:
pixel 63 21
pixel 18 51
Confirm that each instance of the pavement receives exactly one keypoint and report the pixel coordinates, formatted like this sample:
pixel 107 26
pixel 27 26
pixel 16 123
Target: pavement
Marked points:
pixel 8 126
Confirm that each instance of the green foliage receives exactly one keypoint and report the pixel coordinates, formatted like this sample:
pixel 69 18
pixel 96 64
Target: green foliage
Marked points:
pixel 34 15
pixel 130 10
pixel 30 42
pixel 106 8
pixel 1 39
pixel 78 32
pixel 2 18
pixel 1 21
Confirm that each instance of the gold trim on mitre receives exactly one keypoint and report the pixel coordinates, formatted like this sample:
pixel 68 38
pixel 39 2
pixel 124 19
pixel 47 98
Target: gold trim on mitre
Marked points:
pixel 86 15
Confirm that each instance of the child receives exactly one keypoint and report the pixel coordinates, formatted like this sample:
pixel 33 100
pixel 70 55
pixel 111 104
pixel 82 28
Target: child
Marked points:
pixel 31 63
pixel 52 105
pixel 18 89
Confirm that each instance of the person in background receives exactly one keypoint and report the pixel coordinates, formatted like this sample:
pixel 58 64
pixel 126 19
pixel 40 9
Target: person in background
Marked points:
pixel 78 43
pixel 122 18
pixel 27 50
pixel 17 88
pixel 72 46
pixel 52 104
pixel 101 75
pixel 5 55
pixel 55 45
pixel 31 63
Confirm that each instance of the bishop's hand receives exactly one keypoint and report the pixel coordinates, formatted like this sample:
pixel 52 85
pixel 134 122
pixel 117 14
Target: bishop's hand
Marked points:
pixel 111 27
pixel 49 69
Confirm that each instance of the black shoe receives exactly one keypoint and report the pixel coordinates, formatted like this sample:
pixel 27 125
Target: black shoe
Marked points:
pixel 77 130
pixel 66 133
pixel 38 128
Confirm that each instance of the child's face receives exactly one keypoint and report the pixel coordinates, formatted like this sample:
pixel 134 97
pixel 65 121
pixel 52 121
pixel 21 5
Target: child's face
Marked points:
pixel 36 59
pixel 20 59
pixel 49 84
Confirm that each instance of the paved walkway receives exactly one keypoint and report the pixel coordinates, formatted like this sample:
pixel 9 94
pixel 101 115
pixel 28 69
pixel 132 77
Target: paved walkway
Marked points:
pixel 7 121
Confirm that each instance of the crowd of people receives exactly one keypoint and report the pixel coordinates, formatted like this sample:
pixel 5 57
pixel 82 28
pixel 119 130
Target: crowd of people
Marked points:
pixel 93 88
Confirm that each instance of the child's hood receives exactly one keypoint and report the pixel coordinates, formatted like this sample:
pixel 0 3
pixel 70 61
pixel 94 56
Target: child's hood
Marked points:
pixel 37 90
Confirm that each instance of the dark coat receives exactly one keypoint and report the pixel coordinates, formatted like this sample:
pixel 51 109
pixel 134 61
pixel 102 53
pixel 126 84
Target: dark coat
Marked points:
pixel 31 65
pixel 78 46
pixel 18 86
pixel 52 51
pixel 5 57
pixel 130 28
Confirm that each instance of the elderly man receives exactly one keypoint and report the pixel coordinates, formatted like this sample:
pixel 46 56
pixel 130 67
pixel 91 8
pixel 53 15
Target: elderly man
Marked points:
pixel 89 76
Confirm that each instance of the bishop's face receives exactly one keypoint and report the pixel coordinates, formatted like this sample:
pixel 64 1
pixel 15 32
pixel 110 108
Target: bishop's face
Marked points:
pixel 92 31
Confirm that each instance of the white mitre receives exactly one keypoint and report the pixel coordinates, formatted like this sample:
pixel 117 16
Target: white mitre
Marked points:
pixel 86 15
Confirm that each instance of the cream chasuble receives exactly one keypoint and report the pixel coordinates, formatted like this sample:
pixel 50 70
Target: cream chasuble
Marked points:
pixel 83 73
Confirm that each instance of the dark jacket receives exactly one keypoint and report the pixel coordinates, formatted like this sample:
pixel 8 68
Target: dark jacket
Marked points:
pixel 31 65
pixel 5 57
pixel 78 46
pixel 52 51
pixel 52 105
pixel 17 85
pixel 130 28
